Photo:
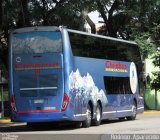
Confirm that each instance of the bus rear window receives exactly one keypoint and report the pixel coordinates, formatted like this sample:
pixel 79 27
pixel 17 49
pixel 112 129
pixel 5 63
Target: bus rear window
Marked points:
pixel 36 42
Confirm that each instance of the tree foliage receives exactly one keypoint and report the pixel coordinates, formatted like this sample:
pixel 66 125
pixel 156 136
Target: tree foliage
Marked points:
pixel 156 57
pixel 137 20
pixel 132 20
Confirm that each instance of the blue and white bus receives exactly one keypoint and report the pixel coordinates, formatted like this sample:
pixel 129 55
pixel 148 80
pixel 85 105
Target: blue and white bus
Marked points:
pixel 58 74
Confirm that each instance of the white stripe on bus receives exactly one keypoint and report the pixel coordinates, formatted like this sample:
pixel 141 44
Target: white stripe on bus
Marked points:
pixel 116 111
pixel 78 115
pixel 140 108
pixel 109 112
pixel 38 88
pixel 124 111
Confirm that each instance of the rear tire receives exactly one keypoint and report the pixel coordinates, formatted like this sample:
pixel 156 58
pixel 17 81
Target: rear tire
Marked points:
pixel 78 124
pixel 134 112
pixel 87 122
pixel 97 120
pixel 122 118
pixel 33 125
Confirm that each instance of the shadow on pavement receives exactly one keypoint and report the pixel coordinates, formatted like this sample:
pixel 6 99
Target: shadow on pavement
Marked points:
pixel 22 127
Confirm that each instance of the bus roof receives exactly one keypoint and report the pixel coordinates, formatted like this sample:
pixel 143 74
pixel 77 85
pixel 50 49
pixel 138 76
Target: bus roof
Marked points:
pixel 36 28
pixel 101 36
pixel 55 28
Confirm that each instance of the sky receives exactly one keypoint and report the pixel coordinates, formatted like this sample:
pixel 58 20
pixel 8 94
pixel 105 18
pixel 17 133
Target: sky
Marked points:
pixel 95 17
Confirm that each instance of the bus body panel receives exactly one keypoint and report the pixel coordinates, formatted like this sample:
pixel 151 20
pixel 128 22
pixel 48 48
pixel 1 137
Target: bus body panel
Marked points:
pixel 113 105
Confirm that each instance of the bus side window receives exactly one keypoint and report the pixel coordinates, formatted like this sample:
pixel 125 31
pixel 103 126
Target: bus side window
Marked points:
pixel 117 85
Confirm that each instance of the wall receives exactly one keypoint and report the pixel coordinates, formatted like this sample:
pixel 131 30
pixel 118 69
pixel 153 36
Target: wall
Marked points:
pixel 150 93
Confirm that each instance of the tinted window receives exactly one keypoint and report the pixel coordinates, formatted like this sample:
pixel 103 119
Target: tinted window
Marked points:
pixel 96 47
pixel 117 85
pixel 36 42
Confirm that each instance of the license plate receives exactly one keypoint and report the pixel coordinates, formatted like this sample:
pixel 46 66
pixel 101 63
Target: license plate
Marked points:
pixel 37 101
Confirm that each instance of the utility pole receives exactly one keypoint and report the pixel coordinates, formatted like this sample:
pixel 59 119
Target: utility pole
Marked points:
pixel 156 106
pixel 2 103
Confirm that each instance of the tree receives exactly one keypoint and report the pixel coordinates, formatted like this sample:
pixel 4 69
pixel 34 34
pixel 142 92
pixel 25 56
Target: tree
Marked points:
pixel 136 20
pixel 156 80
pixel 156 57
pixel 146 44
pixel 3 43
pixel 115 16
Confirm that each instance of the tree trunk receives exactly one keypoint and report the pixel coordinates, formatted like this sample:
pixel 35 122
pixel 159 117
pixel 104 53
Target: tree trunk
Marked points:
pixel 89 21
pixel 91 24
pixel 1 15
pixel 108 20
pixel 23 18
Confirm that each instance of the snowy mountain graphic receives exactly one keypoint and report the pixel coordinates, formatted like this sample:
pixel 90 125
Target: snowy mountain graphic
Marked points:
pixel 84 87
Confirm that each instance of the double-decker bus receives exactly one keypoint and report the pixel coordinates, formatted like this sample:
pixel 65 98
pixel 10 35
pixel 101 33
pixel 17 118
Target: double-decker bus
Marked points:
pixel 58 74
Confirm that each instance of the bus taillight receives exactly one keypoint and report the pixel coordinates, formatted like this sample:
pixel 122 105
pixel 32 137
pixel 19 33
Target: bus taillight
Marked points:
pixel 65 102
pixel 13 105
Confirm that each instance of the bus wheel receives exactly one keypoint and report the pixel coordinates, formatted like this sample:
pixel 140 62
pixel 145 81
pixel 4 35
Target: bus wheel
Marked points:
pixel 78 124
pixel 33 125
pixel 134 112
pixel 97 120
pixel 87 122
pixel 122 118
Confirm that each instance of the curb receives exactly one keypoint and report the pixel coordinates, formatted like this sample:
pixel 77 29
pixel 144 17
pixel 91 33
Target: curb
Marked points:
pixel 5 121
pixel 151 112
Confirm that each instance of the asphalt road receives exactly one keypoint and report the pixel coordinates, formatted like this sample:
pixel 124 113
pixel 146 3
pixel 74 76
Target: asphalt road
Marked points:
pixel 144 124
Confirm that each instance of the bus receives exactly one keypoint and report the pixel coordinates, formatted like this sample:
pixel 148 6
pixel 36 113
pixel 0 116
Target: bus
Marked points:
pixel 59 74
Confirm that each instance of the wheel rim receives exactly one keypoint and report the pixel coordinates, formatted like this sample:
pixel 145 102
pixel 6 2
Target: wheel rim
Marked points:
pixel 98 114
pixel 88 113
pixel 134 110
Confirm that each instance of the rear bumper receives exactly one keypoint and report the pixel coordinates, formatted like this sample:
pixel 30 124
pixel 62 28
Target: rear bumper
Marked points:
pixel 41 117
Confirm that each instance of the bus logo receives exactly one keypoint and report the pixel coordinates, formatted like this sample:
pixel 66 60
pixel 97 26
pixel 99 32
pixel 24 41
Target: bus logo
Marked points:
pixel 112 66
pixel 18 59
pixel 133 78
